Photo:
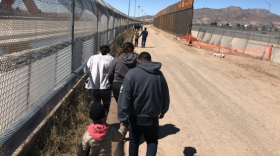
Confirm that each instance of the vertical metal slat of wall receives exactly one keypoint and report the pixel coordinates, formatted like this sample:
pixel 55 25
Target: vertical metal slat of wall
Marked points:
pixel 176 19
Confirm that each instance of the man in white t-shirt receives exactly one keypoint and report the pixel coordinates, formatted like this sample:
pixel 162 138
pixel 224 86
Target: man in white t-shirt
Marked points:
pixel 97 67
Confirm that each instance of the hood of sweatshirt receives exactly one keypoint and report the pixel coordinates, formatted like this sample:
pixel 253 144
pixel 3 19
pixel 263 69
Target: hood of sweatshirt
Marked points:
pixel 129 59
pixel 150 67
pixel 98 131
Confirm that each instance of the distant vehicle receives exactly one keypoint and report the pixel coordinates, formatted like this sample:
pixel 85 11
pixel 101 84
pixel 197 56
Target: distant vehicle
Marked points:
pixel 263 32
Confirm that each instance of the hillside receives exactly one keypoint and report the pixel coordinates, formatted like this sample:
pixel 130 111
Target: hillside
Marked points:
pixel 147 18
pixel 235 15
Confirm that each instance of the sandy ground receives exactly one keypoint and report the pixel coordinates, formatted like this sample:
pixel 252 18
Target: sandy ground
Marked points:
pixel 219 106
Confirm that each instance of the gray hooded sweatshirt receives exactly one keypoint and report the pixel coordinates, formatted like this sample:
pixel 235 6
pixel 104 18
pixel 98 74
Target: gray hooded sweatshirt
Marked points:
pixel 144 92
pixel 120 66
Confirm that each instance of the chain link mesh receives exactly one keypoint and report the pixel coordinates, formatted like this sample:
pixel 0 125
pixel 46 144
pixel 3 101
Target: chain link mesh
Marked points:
pixel 43 41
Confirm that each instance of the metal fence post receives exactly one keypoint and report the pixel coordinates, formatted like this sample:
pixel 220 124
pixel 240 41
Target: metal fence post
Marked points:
pixel 222 36
pixel 204 33
pixel 198 32
pixel 28 86
pixel 108 18
pixel 114 33
pixel 72 31
pixel 97 33
pixel 233 35
pixel 268 42
pixel 249 35
pixel 212 34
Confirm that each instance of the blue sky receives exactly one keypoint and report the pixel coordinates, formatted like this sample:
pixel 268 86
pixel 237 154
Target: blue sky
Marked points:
pixel 151 7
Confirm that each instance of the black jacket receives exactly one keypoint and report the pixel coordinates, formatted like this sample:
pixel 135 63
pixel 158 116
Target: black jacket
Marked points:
pixel 144 92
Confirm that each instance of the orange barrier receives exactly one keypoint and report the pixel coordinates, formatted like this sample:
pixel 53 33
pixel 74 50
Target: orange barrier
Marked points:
pixel 262 53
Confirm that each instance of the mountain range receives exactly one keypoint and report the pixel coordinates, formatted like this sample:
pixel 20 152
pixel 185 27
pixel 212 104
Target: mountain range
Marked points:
pixel 235 15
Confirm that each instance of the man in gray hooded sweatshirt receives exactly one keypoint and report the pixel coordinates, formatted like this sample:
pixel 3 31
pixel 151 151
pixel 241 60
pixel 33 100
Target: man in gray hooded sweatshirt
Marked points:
pixel 143 99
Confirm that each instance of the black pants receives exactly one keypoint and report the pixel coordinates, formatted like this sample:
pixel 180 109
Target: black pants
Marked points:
pixel 102 94
pixel 144 41
pixel 116 90
pixel 150 134
pixel 136 42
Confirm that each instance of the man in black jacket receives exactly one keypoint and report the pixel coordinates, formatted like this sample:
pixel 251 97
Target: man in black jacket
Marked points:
pixel 144 98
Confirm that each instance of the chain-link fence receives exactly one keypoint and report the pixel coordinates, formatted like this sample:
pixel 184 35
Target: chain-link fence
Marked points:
pixel 248 33
pixel 176 19
pixel 240 37
pixel 42 42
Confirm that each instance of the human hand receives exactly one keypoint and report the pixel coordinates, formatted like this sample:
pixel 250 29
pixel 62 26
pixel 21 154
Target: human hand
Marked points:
pixel 161 116
pixel 125 125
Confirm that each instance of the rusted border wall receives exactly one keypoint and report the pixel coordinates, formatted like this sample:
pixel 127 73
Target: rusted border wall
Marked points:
pixel 176 19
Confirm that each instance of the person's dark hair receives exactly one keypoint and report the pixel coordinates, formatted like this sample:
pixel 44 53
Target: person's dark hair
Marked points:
pixel 128 47
pixel 145 28
pixel 104 49
pixel 145 56
pixel 97 111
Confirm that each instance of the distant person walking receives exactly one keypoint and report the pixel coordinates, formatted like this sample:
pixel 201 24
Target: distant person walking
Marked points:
pixel 126 59
pixel 136 38
pixel 144 98
pixel 98 67
pixel 144 37
pixel 141 27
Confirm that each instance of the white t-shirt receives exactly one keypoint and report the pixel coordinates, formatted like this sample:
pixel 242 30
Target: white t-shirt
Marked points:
pixel 98 67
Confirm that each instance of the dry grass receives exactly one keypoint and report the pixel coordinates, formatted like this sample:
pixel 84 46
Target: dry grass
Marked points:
pixel 63 132
pixel 125 37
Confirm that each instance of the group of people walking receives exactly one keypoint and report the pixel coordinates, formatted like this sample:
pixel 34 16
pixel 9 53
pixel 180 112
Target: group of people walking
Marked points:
pixel 142 97
pixel 144 35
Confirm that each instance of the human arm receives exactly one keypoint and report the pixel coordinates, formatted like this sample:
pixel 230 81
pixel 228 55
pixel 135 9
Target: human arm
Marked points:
pixel 166 100
pixel 118 135
pixel 111 72
pixel 87 67
pixel 125 100
pixel 141 34
pixel 83 148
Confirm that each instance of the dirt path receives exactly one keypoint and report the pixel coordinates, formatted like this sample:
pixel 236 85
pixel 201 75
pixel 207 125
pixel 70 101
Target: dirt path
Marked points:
pixel 219 107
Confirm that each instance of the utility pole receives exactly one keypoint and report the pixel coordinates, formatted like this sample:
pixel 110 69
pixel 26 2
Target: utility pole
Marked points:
pixel 135 10
pixel 142 13
pixel 128 14
pixel 139 12
pixel 269 9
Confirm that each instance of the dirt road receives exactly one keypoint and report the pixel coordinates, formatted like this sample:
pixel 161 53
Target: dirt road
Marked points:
pixel 219 107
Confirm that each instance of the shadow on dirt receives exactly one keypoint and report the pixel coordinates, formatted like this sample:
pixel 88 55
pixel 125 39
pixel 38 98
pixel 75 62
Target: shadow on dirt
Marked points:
pixel 164 131
pixel 189 151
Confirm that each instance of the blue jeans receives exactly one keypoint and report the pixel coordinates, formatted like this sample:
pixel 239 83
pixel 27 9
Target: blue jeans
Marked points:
pixel 102 94
pixel 150 134
pixel 144 41
pixel 136 42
